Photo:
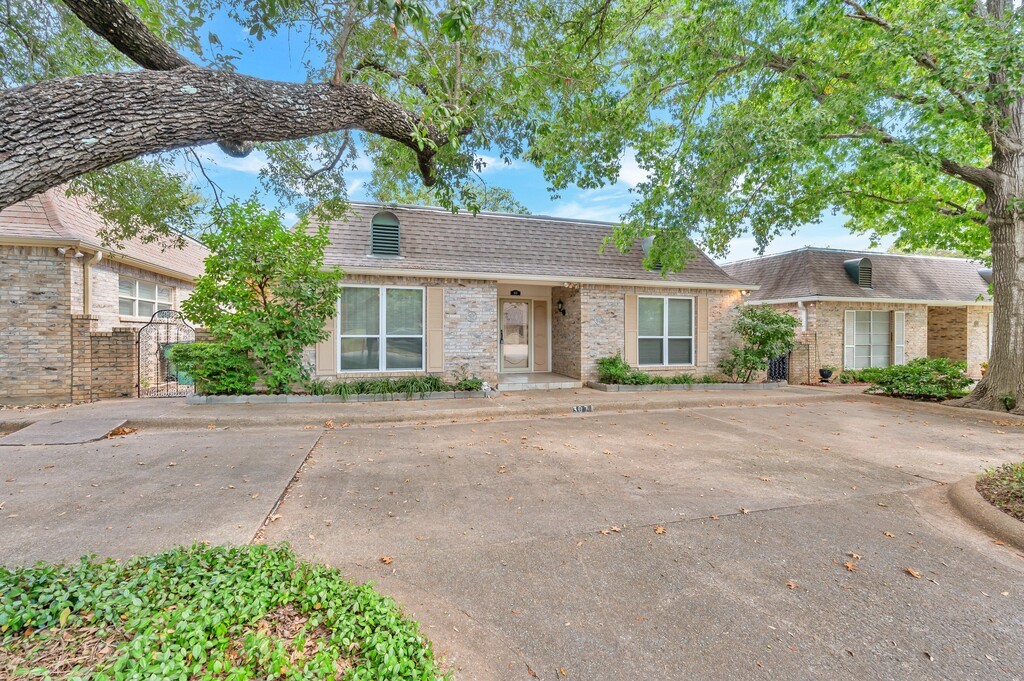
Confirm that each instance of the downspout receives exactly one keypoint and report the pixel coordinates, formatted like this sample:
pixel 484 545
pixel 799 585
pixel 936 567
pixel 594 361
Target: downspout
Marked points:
pixel 86 287
pixel 803 315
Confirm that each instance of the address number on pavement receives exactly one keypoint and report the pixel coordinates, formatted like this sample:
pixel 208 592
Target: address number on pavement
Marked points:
pixel 583 408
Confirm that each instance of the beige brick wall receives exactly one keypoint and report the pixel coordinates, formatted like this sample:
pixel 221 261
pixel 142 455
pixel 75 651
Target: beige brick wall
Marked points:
pixel 566 349
pixel 977 338
pixel 603 325
pixel 103 278
pixel 35 327
pixel 947 332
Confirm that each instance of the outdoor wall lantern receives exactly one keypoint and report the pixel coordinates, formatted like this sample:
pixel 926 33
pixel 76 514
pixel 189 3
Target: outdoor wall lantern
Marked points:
pixel 560 306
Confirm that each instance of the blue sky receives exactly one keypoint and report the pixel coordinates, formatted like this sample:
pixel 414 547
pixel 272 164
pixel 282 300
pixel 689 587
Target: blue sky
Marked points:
pixel 281 57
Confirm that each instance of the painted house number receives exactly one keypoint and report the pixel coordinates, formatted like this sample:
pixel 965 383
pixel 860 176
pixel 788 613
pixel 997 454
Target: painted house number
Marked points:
pixel 582 408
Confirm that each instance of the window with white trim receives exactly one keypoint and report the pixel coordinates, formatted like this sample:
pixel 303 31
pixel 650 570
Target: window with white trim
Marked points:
pixel 664 331
pixel 140 298
pixel 380 328
pixel 872 345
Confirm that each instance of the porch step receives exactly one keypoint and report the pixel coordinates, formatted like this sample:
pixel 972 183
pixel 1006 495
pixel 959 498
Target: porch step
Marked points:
pixel 568 383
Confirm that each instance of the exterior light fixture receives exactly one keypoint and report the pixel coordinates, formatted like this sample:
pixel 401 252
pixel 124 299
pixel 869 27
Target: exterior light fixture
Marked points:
pixel 560 306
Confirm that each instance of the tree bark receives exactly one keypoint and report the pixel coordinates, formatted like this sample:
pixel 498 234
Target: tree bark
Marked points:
pixel 56 130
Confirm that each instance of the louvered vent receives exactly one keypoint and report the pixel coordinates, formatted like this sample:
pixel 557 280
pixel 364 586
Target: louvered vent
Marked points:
pixel 385 235
pixel 859 270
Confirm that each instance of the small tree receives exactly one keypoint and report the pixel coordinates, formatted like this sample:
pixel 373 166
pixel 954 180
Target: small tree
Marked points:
pixel 766 334
pixel 265 291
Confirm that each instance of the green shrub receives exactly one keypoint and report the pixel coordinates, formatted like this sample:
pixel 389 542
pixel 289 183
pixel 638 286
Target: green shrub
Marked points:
pixel 683 379
pixel 766 334
pixel 469 384
pixel 613 370
pixel 709 378
pixel 215 369
pixel 203 612
pixel 934 378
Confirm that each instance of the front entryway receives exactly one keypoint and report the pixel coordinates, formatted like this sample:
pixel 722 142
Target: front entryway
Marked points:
pixel 515 336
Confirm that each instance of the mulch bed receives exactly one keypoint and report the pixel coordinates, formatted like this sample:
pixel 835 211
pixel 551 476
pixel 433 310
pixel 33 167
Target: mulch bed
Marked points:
pixel 1000 495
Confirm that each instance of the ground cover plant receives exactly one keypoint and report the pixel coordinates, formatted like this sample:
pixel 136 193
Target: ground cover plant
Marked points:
pixel 204 612
pixel 931 378
pixel 408 386
pixel 1003 487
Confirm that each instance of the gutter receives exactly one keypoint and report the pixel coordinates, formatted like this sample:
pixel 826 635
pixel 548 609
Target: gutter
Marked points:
pixel 542 279
pixel 111 255
pixel 893 301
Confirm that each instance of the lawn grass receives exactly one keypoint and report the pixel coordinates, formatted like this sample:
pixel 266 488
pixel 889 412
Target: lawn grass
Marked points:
pixel 1003 487
pixel 204 612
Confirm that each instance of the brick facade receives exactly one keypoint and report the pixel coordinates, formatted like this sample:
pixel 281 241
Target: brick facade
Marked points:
pixel 566 334
pixel 947 332
pixel 978 340
pixel 103 303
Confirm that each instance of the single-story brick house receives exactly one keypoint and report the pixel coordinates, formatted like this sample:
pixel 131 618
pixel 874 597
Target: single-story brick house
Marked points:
pixel 865 309
pixel 512 299
pixel 70 305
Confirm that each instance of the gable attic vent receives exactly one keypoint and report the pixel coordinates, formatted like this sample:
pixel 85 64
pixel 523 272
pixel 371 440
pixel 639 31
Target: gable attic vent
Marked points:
pixel 385 235
pixel 859 270
pixel 986 274
pixel 647 244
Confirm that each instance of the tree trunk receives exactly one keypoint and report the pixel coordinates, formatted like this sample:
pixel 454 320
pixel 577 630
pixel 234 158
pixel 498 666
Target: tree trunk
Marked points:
pixel 1002 388
pixel 56 130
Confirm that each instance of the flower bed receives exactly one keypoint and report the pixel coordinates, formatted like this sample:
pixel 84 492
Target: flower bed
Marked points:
pixel 696 387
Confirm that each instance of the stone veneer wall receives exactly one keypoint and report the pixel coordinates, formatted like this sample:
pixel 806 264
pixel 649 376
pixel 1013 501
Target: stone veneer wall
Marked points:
pixel 35 327
pixel 470 326
pixel 978 341
pixel 947 332
pixel 566 351
pixel 603 324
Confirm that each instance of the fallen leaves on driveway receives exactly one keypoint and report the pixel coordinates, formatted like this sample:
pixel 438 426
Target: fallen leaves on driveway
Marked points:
pixel 659 530
pixel 387 560
pixel 850 566
pixel 855 556
pixel 791 584
pixel 912 572
pixel 890 535
pixel 120 430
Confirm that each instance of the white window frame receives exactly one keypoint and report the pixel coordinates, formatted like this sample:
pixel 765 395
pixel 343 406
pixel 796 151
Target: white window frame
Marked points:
pixel 664 337
pixel 382 336
pixel 894 347
pixel 135 296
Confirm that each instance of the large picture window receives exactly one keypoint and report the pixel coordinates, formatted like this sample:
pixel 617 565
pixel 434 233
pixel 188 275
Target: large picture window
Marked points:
pixel 380 329
pixel 664 331
pixel 138 298
pixel 872 343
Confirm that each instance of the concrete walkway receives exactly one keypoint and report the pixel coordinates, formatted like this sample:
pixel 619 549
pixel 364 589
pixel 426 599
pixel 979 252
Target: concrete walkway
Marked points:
pixel 56 429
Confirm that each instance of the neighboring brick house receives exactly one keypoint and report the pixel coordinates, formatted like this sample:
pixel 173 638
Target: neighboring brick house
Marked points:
pixel 70 305
pixel 513 299
pixel 861 309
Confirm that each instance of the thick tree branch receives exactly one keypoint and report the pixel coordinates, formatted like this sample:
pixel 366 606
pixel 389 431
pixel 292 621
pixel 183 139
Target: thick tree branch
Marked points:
pixel 941 206
pixel 57 130
pixel 115 22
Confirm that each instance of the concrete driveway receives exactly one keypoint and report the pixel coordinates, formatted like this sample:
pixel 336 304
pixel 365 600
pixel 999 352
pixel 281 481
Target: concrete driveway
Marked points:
pixel 714 542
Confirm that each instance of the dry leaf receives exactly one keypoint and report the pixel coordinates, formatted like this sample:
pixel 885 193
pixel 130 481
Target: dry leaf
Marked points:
pixel 714 517
pixel 912 572
pixel 763 479
pixel 999 542
pixel 850 565
pixel 791 584
pixel 531 672
pixel 329 423
pixel 616 529
pixel 855 556
pixel 890 535
pixel 561 670
pixel 605 532
pixel 387 560
pixel 744 511
pixel 659 530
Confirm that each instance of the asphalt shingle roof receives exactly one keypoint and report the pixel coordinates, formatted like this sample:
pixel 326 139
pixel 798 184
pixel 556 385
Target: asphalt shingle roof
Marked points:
pixel 507 245
pixel 55 216
pixel 819 272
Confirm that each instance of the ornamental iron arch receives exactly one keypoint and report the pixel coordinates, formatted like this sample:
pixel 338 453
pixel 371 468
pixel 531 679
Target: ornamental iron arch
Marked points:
pixel 157 376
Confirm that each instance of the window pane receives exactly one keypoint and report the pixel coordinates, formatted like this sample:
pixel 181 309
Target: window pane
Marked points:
pixel 880 318
pixel 360 354
pixel 880 359
pixel 862 338
pixel 680 318
pixel 126 287
pixel 360 311
pixel 163 294
pixel 650 351
pixel 404 312
pixel 163 306
pixel 863 316
pixel 126 307
pixel 147 290
pixel 680 351
pixel 404 353
pixel 881 339
pixel 146 308
pixel 652 317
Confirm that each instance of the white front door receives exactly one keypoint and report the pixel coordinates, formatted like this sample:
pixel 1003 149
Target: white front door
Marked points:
pixel 515 353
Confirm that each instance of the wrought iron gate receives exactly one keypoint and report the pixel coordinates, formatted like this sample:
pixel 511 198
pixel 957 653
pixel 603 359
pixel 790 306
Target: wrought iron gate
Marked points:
pixel 157 375
pixel 778 368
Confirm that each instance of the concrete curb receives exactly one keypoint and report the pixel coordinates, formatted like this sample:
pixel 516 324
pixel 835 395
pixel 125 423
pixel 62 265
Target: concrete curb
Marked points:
pixel 693 387
pixel 968 501
pixel 331 399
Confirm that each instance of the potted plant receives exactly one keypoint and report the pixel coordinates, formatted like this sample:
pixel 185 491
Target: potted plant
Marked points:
pixel 826 371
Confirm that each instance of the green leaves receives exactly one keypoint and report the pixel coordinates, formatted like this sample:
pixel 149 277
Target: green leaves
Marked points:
pixel 215 369
pixel 766 333
pixel 266 294
pixel 934 378
pixel 245 612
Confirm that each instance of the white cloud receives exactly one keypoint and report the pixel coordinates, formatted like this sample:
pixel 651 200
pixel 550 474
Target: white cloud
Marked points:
pixel 630 171
pixel 250 165
pixel 493 164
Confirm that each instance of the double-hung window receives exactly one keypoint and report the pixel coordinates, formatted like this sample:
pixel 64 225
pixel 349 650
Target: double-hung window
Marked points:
pixel 872 342
pixel 138 298
pixel 380 328
pixel 664 331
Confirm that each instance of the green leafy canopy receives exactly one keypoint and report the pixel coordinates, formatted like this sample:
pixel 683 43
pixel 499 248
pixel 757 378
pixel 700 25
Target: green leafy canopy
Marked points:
pixel 266 291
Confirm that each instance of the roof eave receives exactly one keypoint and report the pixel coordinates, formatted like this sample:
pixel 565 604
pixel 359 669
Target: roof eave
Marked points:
pixel 844 299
